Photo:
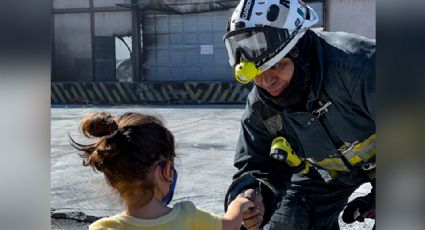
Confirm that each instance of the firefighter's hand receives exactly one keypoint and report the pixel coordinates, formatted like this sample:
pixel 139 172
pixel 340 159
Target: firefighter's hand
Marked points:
pixel 359 209
pixel 253 217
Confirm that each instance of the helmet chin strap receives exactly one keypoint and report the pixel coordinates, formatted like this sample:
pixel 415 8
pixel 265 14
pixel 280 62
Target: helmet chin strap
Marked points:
pixel 279 56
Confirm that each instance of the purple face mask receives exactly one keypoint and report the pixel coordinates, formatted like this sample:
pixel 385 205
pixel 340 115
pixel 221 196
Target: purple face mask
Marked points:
pixel 167 199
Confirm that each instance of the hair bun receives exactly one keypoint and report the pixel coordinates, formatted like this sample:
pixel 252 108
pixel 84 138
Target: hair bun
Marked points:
pixel 98 125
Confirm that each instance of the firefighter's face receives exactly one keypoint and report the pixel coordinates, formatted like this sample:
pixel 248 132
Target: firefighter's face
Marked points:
pixel 277 78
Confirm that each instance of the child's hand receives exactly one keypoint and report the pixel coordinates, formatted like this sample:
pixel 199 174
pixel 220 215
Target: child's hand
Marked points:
pixel 232 220
pixel 253 217
pixel 243 202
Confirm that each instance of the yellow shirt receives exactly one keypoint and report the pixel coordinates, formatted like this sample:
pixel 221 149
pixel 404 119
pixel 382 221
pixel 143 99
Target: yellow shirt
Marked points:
pixel 183 216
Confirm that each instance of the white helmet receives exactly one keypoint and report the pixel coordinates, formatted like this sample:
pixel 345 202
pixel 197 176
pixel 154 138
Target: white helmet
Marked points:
pixel 262 32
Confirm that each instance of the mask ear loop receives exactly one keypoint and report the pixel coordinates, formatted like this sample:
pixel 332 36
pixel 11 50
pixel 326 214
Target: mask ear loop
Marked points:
pixel 174 172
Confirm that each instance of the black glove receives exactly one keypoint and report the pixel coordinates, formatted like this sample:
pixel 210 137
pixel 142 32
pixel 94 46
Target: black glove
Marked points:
pixel 359 209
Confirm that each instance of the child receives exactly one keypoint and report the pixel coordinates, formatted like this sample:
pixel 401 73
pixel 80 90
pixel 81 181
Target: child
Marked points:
pixel 136 154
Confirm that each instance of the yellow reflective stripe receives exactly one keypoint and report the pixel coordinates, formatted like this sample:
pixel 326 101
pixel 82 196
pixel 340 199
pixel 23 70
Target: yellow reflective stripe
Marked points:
pixel 355 160
pixel 333 174
pixel 370 154
pixel 362 151
pixel 367 142
pixel 335 164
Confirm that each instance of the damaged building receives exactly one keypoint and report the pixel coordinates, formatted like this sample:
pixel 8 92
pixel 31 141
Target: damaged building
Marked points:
pixel 157 51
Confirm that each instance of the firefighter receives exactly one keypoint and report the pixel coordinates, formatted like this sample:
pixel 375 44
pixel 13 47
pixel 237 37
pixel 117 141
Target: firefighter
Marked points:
pixel 307 138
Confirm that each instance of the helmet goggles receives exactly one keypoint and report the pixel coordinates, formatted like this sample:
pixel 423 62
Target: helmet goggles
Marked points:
pixel 255 43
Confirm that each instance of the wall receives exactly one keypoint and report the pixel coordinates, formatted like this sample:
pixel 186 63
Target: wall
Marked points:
pixel 354 16
pixel 185 47
pixel 84 33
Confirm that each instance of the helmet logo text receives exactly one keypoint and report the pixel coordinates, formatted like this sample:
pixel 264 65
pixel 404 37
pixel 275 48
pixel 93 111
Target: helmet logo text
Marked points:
pixel 247 9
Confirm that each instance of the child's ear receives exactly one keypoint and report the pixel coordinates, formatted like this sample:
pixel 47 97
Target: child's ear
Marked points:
pixel 168 171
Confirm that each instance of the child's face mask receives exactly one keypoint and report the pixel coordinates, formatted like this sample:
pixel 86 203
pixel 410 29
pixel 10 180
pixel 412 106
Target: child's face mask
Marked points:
pixel 167 199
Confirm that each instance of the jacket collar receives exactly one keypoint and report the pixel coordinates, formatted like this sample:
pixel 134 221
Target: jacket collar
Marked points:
pixel 317 75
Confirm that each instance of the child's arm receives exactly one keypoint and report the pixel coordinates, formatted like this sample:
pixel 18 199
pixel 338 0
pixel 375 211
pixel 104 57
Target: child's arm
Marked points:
pixel 232 220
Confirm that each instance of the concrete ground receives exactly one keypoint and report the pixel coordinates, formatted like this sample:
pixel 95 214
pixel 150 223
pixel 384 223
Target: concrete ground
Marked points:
pixel 205 137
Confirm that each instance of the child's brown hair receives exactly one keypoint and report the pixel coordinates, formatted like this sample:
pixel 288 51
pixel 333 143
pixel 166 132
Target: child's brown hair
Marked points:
pixel 127 149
